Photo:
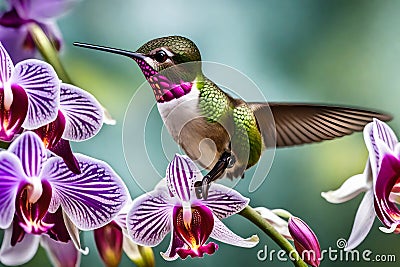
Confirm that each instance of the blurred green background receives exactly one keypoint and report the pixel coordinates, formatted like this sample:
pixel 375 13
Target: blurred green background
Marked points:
pixel 339 52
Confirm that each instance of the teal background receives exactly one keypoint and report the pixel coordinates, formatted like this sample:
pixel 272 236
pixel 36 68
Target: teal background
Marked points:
pixel 338 52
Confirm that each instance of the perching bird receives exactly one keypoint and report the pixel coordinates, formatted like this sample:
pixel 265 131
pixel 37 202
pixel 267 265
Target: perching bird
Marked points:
pixel 224 134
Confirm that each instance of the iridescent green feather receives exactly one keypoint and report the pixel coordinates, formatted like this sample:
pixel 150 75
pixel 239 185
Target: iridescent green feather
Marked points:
pixel 246 142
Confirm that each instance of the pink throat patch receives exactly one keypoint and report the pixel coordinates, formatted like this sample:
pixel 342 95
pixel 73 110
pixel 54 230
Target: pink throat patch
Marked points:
pixel 164 90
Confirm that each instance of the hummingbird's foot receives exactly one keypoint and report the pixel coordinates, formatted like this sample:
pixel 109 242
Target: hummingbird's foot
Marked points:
pixel 202 187
pixel 231 161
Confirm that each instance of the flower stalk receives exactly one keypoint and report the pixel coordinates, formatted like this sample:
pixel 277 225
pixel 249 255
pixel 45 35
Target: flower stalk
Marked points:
pixel 253 216
pixel 48 51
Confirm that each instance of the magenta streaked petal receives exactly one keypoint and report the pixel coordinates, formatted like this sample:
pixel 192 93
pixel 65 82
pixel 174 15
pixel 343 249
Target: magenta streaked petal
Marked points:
pixel 363 221
pixel 195 232
pixel 12 112
pixel 181 175
pixel 224 201
pixel 223 234
pixel 40 82
pixel 90 199
pixel 108 241
pixel 61 253
pixel 31 152
pixel 395 194
pixel 387 211
pixel 30 215
pixel 83 113
pixel 20 253
pixel 63 150
pixel 305 240
pixel 149 219
pixel 210 248
pixel 51 133
pixel 12 177
pixel 175 243
pixel 6 65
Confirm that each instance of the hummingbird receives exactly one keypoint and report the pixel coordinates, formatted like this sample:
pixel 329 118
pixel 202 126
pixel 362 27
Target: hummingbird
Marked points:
pixel 227 135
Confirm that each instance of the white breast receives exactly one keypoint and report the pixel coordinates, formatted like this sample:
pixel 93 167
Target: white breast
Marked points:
pixel 177 112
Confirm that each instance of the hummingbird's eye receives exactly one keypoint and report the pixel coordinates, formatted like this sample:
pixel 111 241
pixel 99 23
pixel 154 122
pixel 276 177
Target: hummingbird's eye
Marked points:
pixel 160 56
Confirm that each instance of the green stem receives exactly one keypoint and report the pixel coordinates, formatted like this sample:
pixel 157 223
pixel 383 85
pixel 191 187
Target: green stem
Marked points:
pixel 48 51
pixel 253 216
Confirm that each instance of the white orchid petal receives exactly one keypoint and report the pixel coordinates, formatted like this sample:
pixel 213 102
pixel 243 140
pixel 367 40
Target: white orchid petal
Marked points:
pixel 351 188
pixel 362 222
pixel 22 252
pixel 222 233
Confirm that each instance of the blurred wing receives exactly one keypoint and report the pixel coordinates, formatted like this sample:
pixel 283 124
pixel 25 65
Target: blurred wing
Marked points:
pixel 298 124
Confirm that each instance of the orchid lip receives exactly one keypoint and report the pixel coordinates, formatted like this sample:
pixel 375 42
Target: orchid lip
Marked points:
pixel 112 50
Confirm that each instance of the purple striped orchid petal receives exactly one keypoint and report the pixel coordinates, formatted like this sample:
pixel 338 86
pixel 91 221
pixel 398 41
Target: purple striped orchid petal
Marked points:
pixel 363 221
pixel 224 202
pixel 149 219
pixel 40 82
pixel 61 253
pixel 20 253
pixel 91 199
pixel 386 210
pixel 12 178
pixel 181 175
pixel 305 241
pixel 6 66
pixel 351 188
pixel 63 150
pixel 223 234
pixel 31 152
pixel 84 115
pixel 108 241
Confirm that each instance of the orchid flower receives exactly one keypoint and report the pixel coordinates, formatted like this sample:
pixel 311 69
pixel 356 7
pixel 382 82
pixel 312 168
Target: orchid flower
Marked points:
pixel 113 238
pixel 296 230
pixel 29 95
pixel 80 117
pixel 42 197
pixel 173 207
pixel 379 181
pixel 14 24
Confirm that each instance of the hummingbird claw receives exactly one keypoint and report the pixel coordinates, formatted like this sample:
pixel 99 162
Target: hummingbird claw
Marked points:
pixel 231 161
pixel 205 186
pixel 198 189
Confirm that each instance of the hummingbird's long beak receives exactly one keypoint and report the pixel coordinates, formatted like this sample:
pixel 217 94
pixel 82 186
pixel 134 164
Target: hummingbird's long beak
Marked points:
pixel 126 53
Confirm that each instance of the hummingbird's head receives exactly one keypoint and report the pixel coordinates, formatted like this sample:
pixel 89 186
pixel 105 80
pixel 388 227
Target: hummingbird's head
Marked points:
pixel 170 64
